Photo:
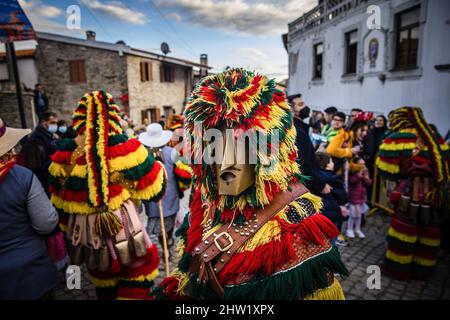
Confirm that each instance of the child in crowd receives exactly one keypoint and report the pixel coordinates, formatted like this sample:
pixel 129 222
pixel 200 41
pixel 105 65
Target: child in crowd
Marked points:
pixel 333 202
pixel 359 180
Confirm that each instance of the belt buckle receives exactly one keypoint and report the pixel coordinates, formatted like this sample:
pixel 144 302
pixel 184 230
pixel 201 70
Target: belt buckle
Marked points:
pixel 229 238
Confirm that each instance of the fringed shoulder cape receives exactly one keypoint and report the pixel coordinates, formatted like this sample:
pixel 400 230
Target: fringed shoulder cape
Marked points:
pixel 134 174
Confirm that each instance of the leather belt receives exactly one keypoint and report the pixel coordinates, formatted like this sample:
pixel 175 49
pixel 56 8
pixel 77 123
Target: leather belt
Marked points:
pixel 224 242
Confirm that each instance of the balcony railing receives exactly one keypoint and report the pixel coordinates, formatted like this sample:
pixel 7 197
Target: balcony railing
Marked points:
pixel 326 10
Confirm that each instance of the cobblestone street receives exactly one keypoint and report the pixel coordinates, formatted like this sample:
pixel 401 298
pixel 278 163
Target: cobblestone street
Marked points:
pixel 357 256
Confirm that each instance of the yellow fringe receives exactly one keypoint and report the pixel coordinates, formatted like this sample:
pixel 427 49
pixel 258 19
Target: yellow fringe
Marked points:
pixel 425 262
pixel 267 233
pixel 71 206
pixel 153 189
pixel 103 283
pixel 398 258
pixel 401 236
pixel 333 292
pixel 388 167
pixel 183 281
pixel 398 146
pixel 129 161
pixel 57 170
pixel 117 201
pixel 79 170
pixel 149 277
pixel 430 242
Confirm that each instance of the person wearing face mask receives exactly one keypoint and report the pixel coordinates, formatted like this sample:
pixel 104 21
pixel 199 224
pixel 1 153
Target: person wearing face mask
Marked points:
pixel 306 158
pixel 45 136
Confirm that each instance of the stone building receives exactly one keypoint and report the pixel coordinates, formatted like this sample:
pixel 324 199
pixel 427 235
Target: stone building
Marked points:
pixel 145 84
pixel 376 55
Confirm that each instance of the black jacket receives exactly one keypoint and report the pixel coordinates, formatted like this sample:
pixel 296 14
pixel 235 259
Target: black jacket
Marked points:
pixel 336 198
pixel 306 157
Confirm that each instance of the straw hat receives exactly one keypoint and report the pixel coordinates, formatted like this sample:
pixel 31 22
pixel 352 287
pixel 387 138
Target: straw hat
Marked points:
pixel 9 137
pixel 155 136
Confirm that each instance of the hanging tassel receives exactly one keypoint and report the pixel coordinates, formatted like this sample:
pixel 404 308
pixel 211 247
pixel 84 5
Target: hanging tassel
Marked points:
pixel 107 224
pixel 115 263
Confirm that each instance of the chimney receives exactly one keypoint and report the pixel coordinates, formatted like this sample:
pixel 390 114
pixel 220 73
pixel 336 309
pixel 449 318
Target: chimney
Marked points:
pixel 204 59
pixel 90 35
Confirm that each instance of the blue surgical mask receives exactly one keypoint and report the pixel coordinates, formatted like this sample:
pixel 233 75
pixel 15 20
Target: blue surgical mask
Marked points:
pixel 62 129
pixel 53 128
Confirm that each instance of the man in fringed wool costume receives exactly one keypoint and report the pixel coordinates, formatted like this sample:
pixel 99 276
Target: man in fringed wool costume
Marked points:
pixel 253 231
pixel 94 180
pixel 418 160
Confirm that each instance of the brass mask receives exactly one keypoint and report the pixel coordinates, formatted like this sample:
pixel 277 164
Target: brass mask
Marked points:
pixel 235 174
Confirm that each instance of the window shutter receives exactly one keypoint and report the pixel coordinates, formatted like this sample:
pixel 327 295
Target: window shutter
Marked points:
pixel 149 71
pixel 141 66
pixel 172 74
pixel 82 71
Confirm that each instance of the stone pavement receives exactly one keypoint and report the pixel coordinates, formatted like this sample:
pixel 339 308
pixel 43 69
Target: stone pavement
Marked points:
pixel 357 256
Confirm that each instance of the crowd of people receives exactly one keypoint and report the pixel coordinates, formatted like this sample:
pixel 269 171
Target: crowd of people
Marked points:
pixel 74 191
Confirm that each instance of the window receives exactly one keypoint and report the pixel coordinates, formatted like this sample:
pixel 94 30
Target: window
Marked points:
pixel 318 61
pixel 408 29
pixel 168 111
pixel 150 115
pixel 167 73
pixel 77 71
pixel 351 44
pixel 146 71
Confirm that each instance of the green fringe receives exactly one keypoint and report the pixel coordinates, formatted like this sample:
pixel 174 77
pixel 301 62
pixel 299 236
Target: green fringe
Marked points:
pixel 139 171
pixel 158 293
pixel 294 284
pixel 117 139
pixel 76 184
pixel 183 228
pixel 199 291
pixel 185 262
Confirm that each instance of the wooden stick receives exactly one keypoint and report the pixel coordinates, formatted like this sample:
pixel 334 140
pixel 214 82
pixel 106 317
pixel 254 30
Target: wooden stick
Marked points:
pixel 163 229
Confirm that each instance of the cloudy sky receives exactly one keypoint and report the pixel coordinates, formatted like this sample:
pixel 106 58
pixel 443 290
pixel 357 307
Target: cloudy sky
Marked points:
pixel 244 33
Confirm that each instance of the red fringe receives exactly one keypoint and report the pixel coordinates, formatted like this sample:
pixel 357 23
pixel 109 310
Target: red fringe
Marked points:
pixel 124 149
pixel 431 233
pixel 114 190
pixel 398 251
pixel 151 263
pixel 312 228
pixel 182 173
pixel 402 140
pixel 425 255
pixel 170 286
pixel 150 177
pixel 133 293
pixel 404 228
pixel 265 259
pixel 61 157
pixel 194 233
pixel 115 266
pixel 81 160
pixel 77 196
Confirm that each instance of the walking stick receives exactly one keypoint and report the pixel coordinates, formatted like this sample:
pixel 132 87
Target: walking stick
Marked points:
pixel 163 229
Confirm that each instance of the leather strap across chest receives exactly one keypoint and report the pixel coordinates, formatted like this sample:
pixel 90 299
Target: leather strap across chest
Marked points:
pixel 224 242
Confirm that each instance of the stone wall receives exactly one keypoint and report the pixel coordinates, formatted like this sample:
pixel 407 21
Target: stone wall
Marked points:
pixel 105 70
pixel 154 93
pixel 9 110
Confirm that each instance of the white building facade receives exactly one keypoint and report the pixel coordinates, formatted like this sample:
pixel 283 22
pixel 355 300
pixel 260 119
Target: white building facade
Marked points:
pixel 376 55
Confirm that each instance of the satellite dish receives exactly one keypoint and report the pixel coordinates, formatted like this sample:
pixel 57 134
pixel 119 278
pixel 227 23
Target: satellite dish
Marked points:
pixel 165 48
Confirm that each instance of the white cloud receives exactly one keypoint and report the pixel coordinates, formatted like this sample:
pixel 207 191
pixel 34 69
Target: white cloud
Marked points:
pixel 242 16
pixel 40 9
pixel 117 9
pixel 175 16
pixel 41 15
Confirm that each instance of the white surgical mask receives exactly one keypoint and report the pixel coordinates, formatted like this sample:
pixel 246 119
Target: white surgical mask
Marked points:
pixel 62 129
pixel 53 128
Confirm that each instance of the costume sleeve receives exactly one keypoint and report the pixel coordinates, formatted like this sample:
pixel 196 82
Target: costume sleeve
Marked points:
pixel 393 150
pixel 143 176
pixel 183 174
pixel 335 149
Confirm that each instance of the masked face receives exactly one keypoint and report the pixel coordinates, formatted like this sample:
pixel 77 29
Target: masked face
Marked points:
pixel 235 174
pixel 53 128
pixel 62 129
